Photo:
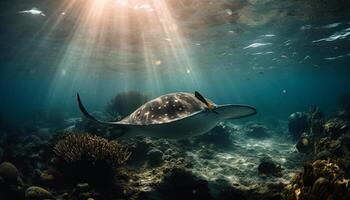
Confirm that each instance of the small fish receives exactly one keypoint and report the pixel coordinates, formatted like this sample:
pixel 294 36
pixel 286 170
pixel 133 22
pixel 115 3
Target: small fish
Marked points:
pixel 33 11
pixel 333 25
pixel 254 45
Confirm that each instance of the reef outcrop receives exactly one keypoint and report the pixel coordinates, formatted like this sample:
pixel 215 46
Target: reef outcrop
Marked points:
pixel 322 179
pixel 326 173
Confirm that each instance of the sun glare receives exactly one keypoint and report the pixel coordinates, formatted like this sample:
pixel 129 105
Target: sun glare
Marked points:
pixel 121 36
pixel 122 2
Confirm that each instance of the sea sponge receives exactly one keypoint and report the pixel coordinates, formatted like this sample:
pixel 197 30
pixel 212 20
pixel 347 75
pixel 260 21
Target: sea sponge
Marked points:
pixel 125 103
pixel 80 147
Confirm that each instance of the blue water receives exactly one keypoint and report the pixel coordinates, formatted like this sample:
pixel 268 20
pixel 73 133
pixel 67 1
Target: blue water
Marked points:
pixel 275 94
pixel 300 63
pixel 279 56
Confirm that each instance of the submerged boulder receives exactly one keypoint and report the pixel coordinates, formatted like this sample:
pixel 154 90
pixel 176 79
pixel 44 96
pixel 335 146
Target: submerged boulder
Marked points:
pixel 219 136
pixel 182 184
pixel 305 145
pixel 155 157
pixel 85 191
pixel 268 167
pixel 37 193
pixel 321 187
pixel 298 124
pixel 11 185
pixel 8 172
pixel 257 131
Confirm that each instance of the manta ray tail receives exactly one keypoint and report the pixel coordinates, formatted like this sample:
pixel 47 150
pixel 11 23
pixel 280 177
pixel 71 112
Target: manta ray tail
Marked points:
pixel 92 118
pixel 85 112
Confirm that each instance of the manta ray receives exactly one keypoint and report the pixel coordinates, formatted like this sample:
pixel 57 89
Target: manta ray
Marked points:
pixel 174 116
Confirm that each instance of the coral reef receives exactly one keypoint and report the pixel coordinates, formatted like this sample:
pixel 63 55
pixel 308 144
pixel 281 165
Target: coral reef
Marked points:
pixel 124 104
pixel 326 174
pixel 233 161
pixel 77 147
pixel 323 179
pixel 90 158
pixel 27 152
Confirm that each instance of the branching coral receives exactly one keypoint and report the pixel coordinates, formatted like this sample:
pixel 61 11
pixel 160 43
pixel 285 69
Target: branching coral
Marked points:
pixel 125 103
pixel 89 158
pixel 78 147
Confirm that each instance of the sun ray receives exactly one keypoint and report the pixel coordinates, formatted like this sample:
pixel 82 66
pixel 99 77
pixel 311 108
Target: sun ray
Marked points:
pixel 122 36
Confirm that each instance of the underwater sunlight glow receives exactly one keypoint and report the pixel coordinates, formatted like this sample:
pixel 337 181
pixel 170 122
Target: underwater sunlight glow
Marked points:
pixel 105 28
pixel 174 99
